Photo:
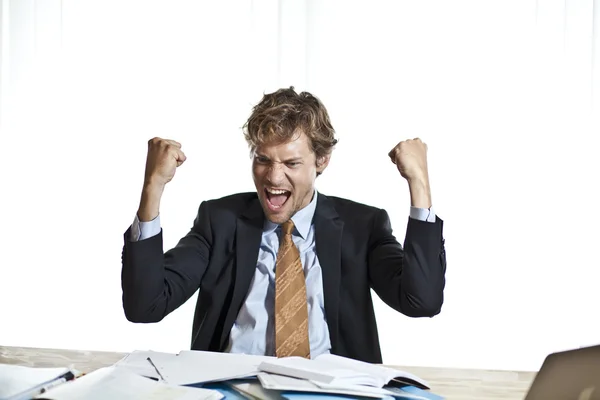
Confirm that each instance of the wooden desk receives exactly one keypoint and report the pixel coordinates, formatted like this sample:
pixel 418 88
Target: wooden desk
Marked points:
pixel 453 384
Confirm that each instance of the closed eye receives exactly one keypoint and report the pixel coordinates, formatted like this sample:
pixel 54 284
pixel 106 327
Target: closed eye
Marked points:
pixel 261 159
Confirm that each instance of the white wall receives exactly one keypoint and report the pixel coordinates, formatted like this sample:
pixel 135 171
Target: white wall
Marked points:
pixel 501 92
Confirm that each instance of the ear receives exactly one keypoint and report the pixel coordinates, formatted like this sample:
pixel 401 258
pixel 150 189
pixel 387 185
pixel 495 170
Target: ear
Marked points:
pixel 322 163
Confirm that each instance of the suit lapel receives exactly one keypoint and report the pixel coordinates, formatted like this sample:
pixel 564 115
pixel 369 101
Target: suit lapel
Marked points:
pixel 247 244
pixel 328 241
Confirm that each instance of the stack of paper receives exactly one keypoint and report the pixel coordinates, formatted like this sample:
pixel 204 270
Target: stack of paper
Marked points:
pixel 289 384
pixel 339 371
pixel 194 367
pixel 281 377
pixel 203 375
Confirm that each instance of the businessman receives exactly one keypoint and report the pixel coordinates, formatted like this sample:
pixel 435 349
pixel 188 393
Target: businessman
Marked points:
pixel 286 270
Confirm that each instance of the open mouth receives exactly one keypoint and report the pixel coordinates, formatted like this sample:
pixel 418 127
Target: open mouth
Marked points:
pixel 276 198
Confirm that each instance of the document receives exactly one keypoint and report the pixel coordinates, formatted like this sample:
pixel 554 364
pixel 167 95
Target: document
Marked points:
pixel 292 388
pixel 193 367
pixel 116 383
pixel 286 383
pixel 19 382
pixel 138 362
pixel 337 370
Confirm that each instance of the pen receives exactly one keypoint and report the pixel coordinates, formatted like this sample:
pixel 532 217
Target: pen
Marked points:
pixel 35 391
pixel 52 384
pixel 156 369
pixel 69 376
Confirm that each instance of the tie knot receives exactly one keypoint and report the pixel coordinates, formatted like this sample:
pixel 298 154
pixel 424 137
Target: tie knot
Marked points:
pixel 287 227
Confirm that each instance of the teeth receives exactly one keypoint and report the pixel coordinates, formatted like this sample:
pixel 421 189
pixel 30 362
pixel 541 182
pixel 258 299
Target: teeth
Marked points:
pixel 276 191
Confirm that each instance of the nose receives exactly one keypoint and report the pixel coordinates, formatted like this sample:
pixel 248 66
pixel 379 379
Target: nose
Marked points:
pixel 275 174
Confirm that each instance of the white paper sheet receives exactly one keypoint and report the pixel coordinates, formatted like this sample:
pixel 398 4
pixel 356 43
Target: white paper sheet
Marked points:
pixel 383 374
pixel 191 367
pixel 336 370
pixel 15 379
pixel 116 383
pixel 137 361
pixel 286 383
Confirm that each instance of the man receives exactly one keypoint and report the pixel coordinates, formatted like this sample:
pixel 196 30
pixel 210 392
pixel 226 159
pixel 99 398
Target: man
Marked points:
pixel 285 271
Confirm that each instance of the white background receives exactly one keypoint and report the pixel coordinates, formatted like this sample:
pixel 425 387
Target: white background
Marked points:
pixel 502 92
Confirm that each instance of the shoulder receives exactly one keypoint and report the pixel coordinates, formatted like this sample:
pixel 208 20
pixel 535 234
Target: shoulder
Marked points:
pixel 343 206
pixel 346 207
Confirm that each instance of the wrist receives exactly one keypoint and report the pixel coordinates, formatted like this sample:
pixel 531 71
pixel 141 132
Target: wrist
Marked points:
pixel 420 192
pixel 421 180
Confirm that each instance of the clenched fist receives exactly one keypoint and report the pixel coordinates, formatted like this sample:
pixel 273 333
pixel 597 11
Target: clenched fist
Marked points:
pixel 410 156
pixel 164 156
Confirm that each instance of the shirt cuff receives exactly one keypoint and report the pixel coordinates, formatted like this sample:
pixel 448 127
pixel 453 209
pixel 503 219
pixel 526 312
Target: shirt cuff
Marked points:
pixel 422 214
pixel 144 230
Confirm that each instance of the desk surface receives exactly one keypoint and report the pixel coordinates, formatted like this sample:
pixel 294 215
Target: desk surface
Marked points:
pixel 453 384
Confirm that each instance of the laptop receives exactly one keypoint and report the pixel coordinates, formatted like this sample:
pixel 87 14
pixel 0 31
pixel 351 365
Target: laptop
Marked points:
pixel 568 375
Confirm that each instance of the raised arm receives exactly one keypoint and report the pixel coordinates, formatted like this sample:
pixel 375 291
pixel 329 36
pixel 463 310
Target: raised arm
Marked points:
pixel 155 283
pixel 410 279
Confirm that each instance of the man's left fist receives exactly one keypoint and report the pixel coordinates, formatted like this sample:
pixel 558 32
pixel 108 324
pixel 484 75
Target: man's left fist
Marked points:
pixel 410 156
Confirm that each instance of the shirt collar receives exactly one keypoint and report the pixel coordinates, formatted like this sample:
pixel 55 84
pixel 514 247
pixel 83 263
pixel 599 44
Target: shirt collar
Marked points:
pixel 302 219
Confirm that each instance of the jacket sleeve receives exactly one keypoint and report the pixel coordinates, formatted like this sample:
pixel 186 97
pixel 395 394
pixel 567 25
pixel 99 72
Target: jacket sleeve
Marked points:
pixel 155 283
pixel 411 279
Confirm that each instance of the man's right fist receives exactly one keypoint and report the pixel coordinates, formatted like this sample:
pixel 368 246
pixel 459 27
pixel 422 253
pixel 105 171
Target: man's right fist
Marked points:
pixel 164 156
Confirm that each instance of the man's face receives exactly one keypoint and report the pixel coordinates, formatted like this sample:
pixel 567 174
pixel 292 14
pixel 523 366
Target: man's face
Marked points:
pixel 284 176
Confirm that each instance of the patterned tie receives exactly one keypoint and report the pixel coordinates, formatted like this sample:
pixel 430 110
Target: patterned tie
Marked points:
pixel 291 310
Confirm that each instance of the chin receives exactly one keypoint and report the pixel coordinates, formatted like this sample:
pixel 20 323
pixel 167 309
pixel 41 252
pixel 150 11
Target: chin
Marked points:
pixel 276 217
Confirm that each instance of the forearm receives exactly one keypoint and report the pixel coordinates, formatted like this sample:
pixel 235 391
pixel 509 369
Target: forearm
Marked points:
pixel 150 201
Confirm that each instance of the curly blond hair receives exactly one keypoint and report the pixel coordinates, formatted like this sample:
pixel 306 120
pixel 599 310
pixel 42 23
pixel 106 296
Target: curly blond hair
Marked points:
pixel 281 115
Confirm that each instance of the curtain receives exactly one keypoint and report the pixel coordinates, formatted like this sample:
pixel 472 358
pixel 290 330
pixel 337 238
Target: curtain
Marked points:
pixel 506 94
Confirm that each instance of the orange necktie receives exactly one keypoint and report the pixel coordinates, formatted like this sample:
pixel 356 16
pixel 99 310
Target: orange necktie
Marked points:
pixel 291 310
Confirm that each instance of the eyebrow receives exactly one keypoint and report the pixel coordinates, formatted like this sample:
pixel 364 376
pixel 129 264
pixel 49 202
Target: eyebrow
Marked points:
pixel 294 159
